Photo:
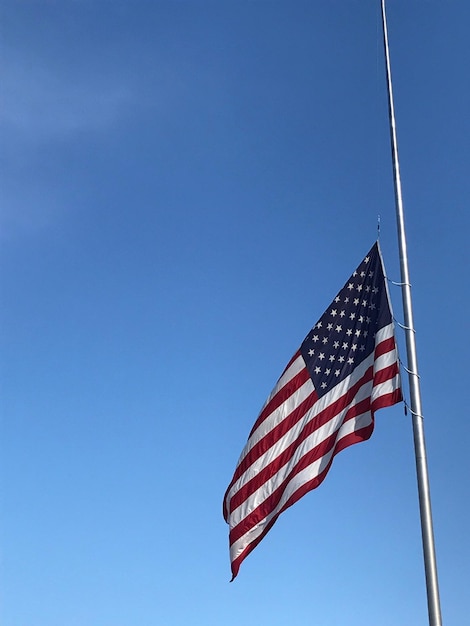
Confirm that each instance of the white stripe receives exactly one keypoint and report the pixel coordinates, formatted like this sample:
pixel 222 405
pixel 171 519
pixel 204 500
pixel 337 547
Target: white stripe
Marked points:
pixel 282 412
pixel 279 414
pixel 384 333
pixel 313 440
pixel 292 435
pixel 306 475
pixel 385 360
pixel 304 391
pixel 294 368
pixel 388 386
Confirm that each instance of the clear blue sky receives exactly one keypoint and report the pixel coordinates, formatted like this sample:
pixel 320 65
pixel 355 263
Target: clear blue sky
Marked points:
pixel 184 188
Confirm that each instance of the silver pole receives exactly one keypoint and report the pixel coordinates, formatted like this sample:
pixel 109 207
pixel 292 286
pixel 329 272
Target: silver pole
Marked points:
pixel 430 566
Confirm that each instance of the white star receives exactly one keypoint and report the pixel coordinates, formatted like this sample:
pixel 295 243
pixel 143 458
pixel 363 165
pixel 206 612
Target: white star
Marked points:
pixel 354 347
pixel 364 303
pixel 325 340
pixel 365 333
pixel 333 312
pixel 372 306
pixel 352 316
pixel 350 286
pixel 330 326
pixel 350 361
pixel 349 332
pixel 362 348
pixel 375 290
pixel 359 288
pixel 361 319
pixel 342 314
pixel 368 320
pixel 337 372
pixel 356 301
pixel 321 356
pixel 345 346
pixel 339 328
pixel 341 359
pixel 368 288
pixel 319 325
pixel 332 358
pixel 323 385
pixel 311 352
pixel 355 273
pixel 366 260
pixel 315 338
pixel 336 344
pixel 357 333
pixel 363 274
pixel 346 300
pixel 327 372
pixel 337 299
pixel 317 370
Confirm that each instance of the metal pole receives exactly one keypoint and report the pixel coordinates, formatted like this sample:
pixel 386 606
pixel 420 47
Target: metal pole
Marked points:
pixel 430 567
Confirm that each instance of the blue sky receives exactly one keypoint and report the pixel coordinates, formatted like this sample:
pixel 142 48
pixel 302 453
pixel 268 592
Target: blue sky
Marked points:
pixel 184 188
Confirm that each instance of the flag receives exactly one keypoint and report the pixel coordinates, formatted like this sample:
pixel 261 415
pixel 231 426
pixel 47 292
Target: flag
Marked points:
pixel 325 400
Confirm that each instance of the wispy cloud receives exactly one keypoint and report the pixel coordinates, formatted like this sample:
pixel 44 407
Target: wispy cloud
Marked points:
pixel 41 104
pixel 49 104
pixel 41 107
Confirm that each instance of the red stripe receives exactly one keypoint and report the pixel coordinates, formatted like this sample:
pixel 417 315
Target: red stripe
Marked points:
pixel 388 399
pixel 297 354
pixel 332 445
pixel 356 437
pixel 387 345
pixel 314 454
pixel 268 505
pixel 274 435
pixel 284 394
pixel 271 469
pixel 386 374
pixel 281 396
pixel 320 420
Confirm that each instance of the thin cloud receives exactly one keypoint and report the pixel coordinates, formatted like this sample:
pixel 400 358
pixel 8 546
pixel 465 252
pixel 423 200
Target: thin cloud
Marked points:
pixel 40 108
pixel 42 105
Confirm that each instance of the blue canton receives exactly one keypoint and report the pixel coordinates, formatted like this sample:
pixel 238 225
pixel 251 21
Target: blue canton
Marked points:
pixel 345 334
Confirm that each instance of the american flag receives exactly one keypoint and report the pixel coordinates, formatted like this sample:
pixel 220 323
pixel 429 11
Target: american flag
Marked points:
pixel 345 369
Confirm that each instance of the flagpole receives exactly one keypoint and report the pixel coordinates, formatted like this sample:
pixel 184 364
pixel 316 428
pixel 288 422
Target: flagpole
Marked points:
pixel 430 566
